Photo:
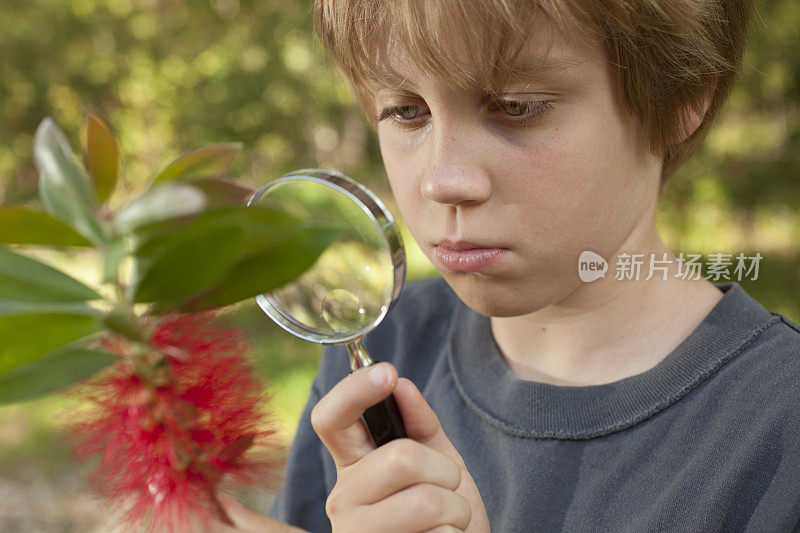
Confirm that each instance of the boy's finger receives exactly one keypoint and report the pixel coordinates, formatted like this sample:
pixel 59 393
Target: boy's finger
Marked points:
pixel 423 426
pixel 393 467
pixel 419 508
pixel 421 422
pixel 336 417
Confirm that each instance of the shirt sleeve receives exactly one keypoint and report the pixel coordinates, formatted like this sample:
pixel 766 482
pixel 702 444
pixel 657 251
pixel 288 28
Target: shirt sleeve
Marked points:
pixel 301 498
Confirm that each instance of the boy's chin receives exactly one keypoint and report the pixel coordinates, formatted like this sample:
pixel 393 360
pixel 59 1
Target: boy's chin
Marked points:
pixel 497 297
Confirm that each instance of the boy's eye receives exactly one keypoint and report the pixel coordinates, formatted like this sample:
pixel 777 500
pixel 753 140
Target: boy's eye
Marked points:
pixel 401 113
pixel 512 107
pixel 516 108
pixel 406 112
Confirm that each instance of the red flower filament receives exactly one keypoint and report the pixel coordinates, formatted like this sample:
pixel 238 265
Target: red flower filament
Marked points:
pixel 167 428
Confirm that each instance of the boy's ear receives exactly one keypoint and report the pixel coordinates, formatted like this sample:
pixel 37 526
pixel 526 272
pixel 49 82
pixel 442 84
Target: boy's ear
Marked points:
pixel 693 117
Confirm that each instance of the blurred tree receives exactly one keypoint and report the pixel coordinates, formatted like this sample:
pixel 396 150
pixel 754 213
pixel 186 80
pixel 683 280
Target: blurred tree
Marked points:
pixel 171 74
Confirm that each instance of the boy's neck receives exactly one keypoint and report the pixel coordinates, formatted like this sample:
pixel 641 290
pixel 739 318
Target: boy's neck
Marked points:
pixel 606 330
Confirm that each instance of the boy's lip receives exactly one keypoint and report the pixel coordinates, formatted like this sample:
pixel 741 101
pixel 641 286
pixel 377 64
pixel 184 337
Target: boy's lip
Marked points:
pixel 466 256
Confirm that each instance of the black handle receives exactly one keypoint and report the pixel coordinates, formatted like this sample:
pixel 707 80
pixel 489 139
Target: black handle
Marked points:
pixel 383 421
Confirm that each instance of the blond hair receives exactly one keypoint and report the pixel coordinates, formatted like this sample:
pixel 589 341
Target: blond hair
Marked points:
pixel 672 57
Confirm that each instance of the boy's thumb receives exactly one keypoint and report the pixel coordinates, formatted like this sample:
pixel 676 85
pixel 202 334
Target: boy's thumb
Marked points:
pixel 422 424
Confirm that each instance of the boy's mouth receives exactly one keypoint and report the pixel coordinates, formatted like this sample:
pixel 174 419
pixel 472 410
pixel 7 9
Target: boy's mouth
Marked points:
pixel 465 256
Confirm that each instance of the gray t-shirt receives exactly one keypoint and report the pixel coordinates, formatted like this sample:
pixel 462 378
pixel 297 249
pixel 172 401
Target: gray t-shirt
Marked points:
pixel 707 440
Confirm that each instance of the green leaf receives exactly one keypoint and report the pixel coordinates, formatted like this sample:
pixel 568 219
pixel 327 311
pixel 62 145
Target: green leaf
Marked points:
pixel 25 279
pixel 191 265
pixel 222 193
pixel 20 225
pixel 51 372
pixel 223 256
pixel 178 201
pixel 64 187
pixel 27 337
pixel 207 162
pixel 16 307
pixel 161 202
pixel 261 227
pixel 152 240
pixel 101 155
pixel 268 269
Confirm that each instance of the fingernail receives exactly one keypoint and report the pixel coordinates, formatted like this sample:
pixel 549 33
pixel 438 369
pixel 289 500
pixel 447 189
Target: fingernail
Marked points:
pixel 378 376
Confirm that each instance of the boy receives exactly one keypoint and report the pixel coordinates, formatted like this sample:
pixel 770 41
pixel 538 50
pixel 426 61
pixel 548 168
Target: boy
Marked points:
pixel 518 135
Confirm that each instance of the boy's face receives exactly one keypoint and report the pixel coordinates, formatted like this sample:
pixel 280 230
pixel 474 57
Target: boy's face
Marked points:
pixel 547 170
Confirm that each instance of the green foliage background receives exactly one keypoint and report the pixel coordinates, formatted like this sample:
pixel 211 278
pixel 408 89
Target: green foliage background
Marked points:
pixel 171 75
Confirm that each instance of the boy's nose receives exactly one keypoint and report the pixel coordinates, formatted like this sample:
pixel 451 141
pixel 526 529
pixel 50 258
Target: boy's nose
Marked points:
pixel 455 174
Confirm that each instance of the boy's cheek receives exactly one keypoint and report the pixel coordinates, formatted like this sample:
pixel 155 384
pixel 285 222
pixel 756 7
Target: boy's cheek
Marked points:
pixel 583 162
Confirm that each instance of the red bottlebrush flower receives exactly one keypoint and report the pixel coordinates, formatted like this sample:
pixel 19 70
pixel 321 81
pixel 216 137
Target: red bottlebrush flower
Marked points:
pixel 168 423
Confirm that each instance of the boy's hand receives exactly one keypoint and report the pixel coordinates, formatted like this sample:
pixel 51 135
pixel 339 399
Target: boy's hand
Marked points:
pixel 408 485
pixel 246 521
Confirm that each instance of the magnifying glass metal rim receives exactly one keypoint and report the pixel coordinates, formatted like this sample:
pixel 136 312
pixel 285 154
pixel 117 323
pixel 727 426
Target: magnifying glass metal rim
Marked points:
pixel 381 218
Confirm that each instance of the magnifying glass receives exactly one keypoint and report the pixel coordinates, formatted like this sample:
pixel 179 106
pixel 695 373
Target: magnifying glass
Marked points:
pixel 352 285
